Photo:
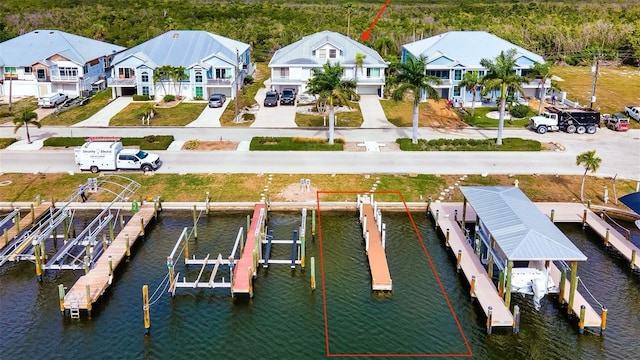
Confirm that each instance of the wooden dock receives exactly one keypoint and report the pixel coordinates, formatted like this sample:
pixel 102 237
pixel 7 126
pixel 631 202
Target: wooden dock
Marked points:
pixel 380 276
pixel 591 318
pixel 574 212
pixel 25 222
pixel 484 291
pixel 89 287
pixel 245 268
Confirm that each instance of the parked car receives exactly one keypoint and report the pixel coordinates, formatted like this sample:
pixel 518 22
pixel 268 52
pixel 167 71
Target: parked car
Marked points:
pixel 633 112
pixel 52 100
pixel 217 100
pixel 617 122
pixel 271 98
pixel 288 96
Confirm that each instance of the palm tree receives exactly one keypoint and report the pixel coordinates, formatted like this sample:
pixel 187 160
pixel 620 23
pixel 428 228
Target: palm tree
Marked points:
pixel 349 7
pixel 591 162
pixel 178 74
pixel 27 118
pixel 411 78
pixel 471 81
pixel 384 46
pixel 359 62
pixel 501 76
pixel 328 84
pixel 162 75
pixel 542 72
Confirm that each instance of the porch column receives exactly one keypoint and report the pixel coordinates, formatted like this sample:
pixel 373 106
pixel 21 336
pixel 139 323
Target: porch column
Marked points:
pixel 113 92
pixel 464 210
pixel 490 266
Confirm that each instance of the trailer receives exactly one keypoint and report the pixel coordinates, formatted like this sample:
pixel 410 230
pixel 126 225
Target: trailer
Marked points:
pixel 570 120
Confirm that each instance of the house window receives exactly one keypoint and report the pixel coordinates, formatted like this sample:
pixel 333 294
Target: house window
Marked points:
pixel 41 74
pixel 373 73
pixel 27 69
pixel 457 75
pixel 85 69
pixel 456 91
pixel 481 73
pixel 10 73
pixel 332 53
pixel 221 73
pixel 525 72
pixel 145 77
pixel 145 90
pixel 199 77
pixel 442 74
pixel 322 53
pixel 68 72
pixel 284 73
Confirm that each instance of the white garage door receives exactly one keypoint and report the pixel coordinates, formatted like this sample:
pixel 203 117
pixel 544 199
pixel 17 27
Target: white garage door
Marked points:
pixel 368 90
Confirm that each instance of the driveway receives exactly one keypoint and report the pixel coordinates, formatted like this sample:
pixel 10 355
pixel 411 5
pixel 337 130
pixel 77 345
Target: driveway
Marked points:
pixel 272 117
pixel 372 113
pixel 102 117
pixel 210 117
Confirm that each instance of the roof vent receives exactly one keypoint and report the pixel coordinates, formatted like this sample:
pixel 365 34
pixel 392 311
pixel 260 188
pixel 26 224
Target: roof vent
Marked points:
pixel 175 35
pixel 50 32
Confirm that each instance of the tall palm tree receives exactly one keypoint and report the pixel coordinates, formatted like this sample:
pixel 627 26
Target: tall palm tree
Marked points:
pixel 501 75
pixel 591 162
pixel 178 74
pixel 328 84
pixel 26 118
pixel 412 78
pixel 359 62
pixel 384 46
pixel 162 75
pixel 349 7
pixel 542 72
pixel 471 81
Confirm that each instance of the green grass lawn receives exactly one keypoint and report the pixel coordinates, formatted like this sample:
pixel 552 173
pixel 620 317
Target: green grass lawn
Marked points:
pixel 17 107
pixel 481 120
pixel 294 144
pixel 352 118
pixel 179 115
pixel 79 113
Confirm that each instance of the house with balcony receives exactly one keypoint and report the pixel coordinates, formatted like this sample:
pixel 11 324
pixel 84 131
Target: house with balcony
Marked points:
pixel 292 65
pixel 450 55
pixel 46 61
pixel 211 64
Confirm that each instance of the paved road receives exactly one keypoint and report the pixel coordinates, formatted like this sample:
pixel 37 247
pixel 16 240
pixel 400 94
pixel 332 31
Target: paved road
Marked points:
pixel 619 152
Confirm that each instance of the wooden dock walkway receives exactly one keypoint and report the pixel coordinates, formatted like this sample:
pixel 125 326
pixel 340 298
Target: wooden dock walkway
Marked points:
pixel 245 268
pixel 25 222
pixel 380 276
pixel 574 212
pixel 485 291
pixel 88 289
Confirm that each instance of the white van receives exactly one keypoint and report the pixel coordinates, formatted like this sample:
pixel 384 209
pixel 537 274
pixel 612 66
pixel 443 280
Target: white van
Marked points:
pixel 51 100
pixel 111 155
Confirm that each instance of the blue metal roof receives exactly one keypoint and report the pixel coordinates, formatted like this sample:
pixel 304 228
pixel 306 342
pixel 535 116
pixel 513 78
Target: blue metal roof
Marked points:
pixel 301 51
pixel 521 231
pixel 37 45
pixel 185 48
pixel 467 48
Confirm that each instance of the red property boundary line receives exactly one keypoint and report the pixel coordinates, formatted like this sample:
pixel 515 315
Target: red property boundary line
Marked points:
pixel 433 269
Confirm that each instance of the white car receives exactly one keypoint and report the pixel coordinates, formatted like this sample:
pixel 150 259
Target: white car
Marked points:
pixel 633 112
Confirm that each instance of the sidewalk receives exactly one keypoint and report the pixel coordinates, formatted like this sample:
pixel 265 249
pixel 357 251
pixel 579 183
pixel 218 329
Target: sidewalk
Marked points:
pixel 102 117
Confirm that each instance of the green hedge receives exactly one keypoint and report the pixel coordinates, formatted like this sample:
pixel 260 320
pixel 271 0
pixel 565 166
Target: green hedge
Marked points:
pixel 508 144
pixel 151 142
pixel 137 97
pixel 294 144
pixel 4 142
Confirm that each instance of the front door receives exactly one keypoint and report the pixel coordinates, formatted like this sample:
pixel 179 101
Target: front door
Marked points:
pixel 445 93
pixel 199 91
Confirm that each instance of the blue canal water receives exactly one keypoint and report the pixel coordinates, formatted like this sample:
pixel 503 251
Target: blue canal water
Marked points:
pixel 429 313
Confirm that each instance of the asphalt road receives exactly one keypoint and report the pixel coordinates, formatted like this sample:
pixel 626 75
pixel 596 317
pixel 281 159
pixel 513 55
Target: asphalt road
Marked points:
pixel 619 153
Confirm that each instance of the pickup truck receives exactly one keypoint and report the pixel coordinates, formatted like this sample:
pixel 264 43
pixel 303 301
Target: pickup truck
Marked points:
pixel 633 112
pixel 617 122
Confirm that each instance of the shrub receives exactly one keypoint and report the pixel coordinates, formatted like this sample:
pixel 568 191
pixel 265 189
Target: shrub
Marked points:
pixel 198 98
pixel 64 141
pixel 248 117
pixel 4 142
pixel 168 98
pixel 519 111
pixel 141 97
pixel 248 80
pixel 192 144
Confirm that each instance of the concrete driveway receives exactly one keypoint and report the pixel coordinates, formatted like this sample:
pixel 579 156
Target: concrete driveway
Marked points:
pixel 210 117
pixel 372 113
pixel 277 116
pixel 102 117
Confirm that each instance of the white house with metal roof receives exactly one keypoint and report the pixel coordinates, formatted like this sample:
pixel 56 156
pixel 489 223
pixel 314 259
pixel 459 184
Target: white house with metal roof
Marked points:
pixel 212 63
pixel 44 61
pixel 292 65
pixel 451 54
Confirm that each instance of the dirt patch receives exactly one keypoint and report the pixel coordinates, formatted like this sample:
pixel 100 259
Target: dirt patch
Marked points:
pixel 296 193
pixel 439 116
pixel 211 145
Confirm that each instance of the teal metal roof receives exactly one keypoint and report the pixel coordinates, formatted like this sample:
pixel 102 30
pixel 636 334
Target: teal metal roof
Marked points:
pixel 37 45
pixel 521 231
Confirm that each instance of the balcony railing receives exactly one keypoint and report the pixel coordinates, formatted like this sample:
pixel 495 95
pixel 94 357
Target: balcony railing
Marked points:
pixel 219 82
pixel 64 78
pixel 122 81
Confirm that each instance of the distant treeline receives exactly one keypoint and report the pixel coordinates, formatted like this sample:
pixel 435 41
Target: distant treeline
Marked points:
pixel 570 31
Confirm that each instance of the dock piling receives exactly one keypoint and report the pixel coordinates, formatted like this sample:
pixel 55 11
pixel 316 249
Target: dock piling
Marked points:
pixel 87 289
pixel 489 320
pixel 36 250
pixel 313 223
pixel 61 298
pixel 447 238
pixel 384 236
pixel 584 218
pixel 603 324
pixel 458 266
pixel 473 287
pixel 573 285
pixel 293 249
pixel 633 259
pixel 86 264
pixel 126 245
pixel 33 215
pixel 606 238
pixel 583 311
pixel 145 309
pixel 501 284
pixel 507 280
pixel 16 221
pixel 110 258
pixel 437 216
pixel 516 319
pixel 553 215
pixel 313 273
pixel 302 248
pixel 141 226
pixel 195 223
pixel 563 280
